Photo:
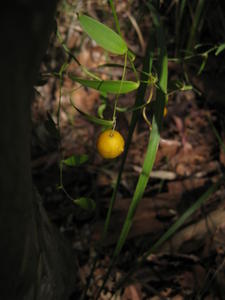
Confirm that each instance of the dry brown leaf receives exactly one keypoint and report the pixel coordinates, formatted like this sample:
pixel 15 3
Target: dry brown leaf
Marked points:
pixel 132 292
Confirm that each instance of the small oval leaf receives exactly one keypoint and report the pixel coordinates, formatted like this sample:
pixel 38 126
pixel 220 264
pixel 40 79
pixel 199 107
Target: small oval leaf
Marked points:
pixel 108 86
pixel 103 35
pixel 75 160
pixel 85 203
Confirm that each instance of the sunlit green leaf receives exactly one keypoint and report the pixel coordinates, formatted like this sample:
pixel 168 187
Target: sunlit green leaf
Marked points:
pixel 75 160
pixel 101 109
pixel 85 203
pixel 103 35
pixel 108 86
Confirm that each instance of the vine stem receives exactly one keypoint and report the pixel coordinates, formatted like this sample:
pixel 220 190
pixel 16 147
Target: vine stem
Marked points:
pixel 115 17
pixel 117 96
pixel 144 109
pixel 61 186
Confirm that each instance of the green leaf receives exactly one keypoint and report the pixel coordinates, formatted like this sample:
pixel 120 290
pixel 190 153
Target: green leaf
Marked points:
pixel 108 86
pixel 101 109
pixel 175 85
pixel 106 123
pixel 75 160
pixel 220 49
pixel 51 127
pixel 103 35
pixel 85 203
pixel 203 64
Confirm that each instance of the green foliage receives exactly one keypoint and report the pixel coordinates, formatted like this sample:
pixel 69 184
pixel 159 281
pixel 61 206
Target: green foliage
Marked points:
pixel 85 203
pixel 93 119
pixel 103 35
pixel 154 135
pixel 108 86
pixel 75 160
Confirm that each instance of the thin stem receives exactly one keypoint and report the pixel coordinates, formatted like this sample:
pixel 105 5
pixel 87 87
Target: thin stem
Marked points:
pixel 117 96
pixel 71 55
pixel 115 17
pixel 144 109
pixel 134 69
pixel 60 102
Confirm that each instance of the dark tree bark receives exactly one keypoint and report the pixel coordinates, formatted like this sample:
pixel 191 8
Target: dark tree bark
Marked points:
pixel 34 262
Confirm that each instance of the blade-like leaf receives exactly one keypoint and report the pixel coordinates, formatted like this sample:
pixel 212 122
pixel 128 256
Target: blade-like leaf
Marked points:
pixel 154 136
pixel 98 121
pixel 75 160
pixel 106 123
pixel 103 35
pixel 108 86
pixel 85 203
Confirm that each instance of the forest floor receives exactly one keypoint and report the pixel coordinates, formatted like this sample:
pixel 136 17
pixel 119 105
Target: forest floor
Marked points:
pixel 191 265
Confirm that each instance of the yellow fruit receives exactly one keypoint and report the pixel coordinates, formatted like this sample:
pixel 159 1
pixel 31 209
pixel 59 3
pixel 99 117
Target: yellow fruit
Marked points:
pixel 110 144
pixel 165 111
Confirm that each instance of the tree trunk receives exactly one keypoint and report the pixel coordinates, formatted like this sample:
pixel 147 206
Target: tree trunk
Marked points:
pixel 34 259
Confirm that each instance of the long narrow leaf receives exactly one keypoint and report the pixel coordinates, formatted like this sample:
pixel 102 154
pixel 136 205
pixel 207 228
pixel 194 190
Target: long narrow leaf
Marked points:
pixel 103 35
pixel 173 228
pixel 108 86
pixel 184 217
pixel 98 121
pixel 195 23
pixel 154 136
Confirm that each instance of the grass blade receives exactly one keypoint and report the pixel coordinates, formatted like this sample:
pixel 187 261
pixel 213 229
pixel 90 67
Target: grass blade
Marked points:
pixel 184 217
pixel 195 24
pixel 173 229
pixel 153 141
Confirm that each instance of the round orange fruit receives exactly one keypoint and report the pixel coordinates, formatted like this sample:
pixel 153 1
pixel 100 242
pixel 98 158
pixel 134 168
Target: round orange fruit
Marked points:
pixel 110 144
